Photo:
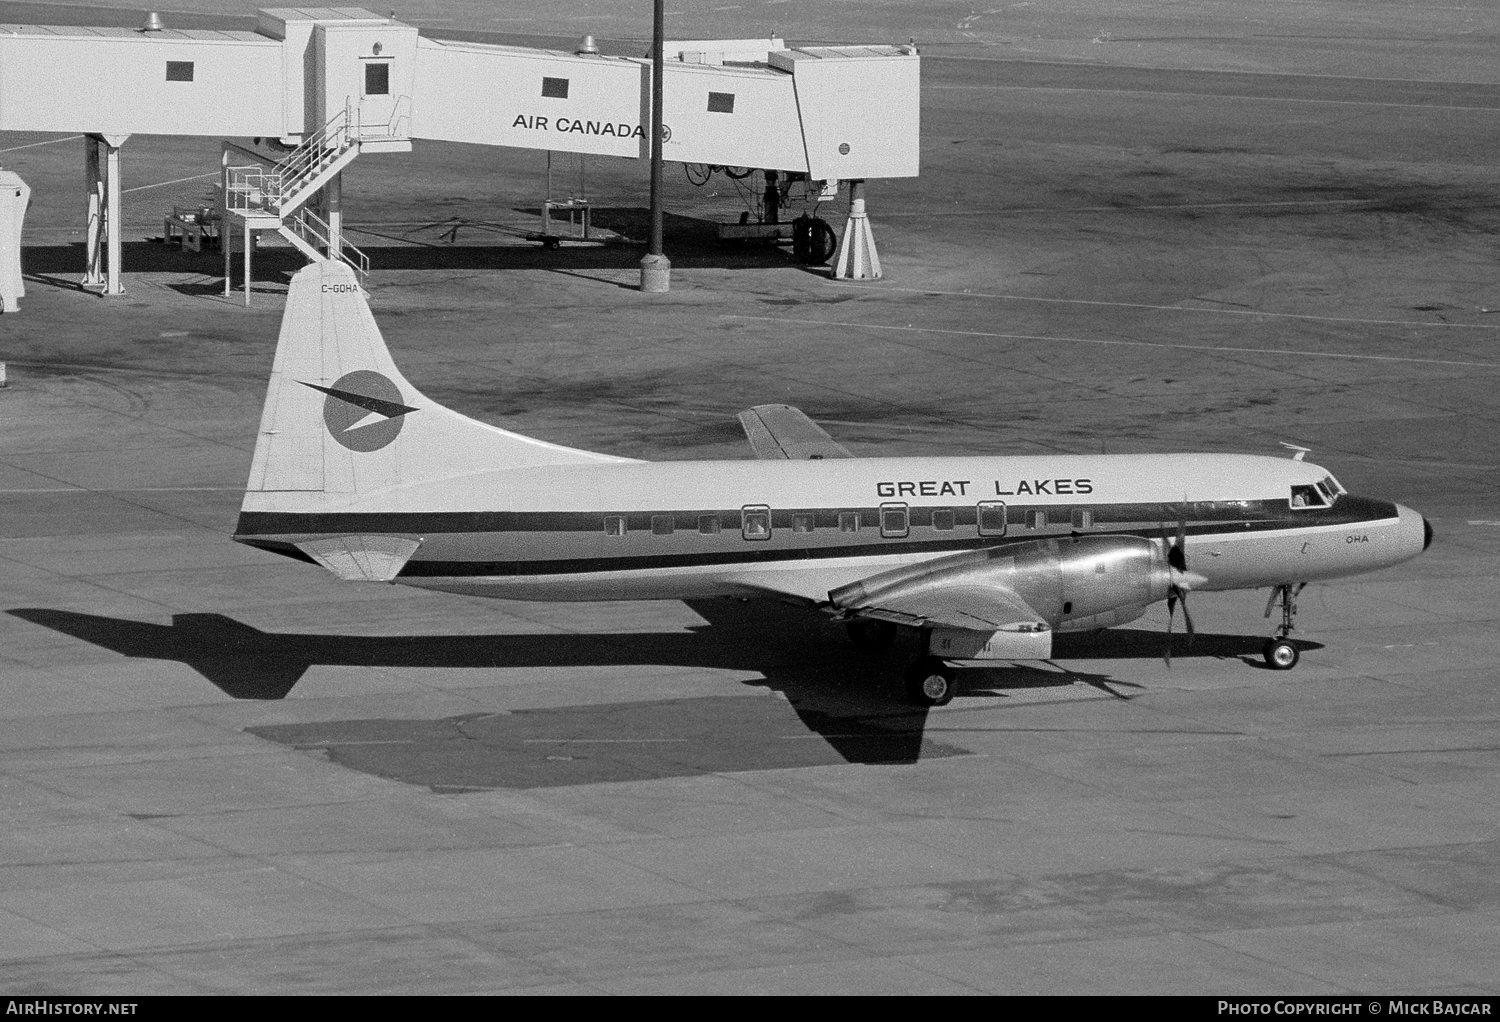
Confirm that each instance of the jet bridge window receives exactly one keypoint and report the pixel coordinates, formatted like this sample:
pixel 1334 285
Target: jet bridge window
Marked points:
pixel 1307 496
pixel 555 88
pixel 708 525
pixel 614 525
pixel 179 70
pixel 755 521
pixel 992 518
pixel 895 521
pixel 721 102
pixel 848 521
pixel 1036 519
pixel 1083 519
pixel 377 78
pixel 662 525
pixel 943 519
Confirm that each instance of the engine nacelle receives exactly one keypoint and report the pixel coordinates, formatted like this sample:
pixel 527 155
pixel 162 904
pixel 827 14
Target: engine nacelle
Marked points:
pixel 1082 582
pixel 1109 580
pixel 1109 619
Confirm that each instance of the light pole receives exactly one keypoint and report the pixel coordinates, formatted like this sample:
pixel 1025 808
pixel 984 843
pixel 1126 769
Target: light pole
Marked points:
pixel 656 270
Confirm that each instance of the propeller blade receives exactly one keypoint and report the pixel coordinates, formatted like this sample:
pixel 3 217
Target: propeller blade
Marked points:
pixel 1177 556
pixel 1171 611
pixel 1187 618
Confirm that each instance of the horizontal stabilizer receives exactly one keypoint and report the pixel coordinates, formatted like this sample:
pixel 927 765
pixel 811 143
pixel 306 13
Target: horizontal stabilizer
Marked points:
pixel 362 558
pixel 781 431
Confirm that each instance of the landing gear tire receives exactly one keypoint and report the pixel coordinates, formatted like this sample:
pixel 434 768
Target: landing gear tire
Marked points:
pixel 1280 654
pixel 871 635
pixel 930 682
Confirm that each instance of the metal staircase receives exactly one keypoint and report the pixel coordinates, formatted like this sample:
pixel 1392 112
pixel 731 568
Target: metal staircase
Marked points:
pixel 273 197
pixel 309 234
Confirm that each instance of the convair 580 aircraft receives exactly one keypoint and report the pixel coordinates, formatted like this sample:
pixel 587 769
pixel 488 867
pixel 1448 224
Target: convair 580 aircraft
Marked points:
pixel 987 557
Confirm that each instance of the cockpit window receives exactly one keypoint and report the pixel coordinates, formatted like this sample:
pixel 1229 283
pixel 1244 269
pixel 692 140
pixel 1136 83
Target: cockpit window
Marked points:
pixel 1335 489
pixel 1308 496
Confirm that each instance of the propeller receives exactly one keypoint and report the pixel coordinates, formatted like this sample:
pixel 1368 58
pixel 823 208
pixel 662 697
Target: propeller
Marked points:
pixel 1176 592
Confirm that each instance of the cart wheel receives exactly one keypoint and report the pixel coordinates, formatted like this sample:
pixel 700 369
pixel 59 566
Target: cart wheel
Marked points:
pixel 698 173
pixel 552 243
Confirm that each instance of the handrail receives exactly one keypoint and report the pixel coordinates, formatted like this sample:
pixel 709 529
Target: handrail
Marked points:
pixel 249 188
pixel 315 231
pixel 396 126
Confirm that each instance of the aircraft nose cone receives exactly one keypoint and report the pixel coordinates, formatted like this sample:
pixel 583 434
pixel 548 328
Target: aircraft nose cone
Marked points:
pixel 1413 534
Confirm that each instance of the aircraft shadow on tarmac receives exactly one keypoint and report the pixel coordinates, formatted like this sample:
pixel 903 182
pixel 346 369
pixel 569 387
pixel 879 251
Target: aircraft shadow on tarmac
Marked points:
pixel 841 705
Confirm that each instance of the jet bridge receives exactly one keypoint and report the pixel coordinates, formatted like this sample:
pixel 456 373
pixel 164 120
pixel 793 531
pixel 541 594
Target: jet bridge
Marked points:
pixel 334 83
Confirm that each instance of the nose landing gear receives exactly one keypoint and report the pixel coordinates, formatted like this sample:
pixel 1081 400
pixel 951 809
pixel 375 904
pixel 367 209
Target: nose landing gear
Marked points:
pixel 1280 652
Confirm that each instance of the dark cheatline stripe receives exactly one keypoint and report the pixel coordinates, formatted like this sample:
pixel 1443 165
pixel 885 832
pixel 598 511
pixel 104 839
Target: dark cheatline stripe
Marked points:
pixel 261 529
pixel 1109 517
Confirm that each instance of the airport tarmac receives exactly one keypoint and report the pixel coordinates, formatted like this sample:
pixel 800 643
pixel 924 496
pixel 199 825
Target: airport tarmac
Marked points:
pixel 225 772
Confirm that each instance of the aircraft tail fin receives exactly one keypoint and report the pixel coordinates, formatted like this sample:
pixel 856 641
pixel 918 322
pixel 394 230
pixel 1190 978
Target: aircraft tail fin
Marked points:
pixel 341 421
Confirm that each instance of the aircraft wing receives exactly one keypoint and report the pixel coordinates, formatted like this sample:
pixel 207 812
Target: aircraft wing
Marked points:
pixel 978 608
pixel 781 431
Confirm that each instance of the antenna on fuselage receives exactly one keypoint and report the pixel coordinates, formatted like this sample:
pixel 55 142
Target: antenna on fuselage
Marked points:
pixel 1301 451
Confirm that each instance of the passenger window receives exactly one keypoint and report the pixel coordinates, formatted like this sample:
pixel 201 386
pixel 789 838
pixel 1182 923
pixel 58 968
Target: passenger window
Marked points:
pixel 179 70
pixel 708 525
pixel 942 520
pixel 848 521
pixel 894 521
pixel 1307 496
pixel 992 518
pixel 1036 519
pixel 614 525
pixel 755 521
pixel 555 88
pixel 1083 518
pixel 662 525
pixel 802 521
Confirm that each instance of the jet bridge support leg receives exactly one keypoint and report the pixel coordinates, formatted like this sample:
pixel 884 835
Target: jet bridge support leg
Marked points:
pixel 93 183
pixel 105 217
pixel 857 258
pixel 333 210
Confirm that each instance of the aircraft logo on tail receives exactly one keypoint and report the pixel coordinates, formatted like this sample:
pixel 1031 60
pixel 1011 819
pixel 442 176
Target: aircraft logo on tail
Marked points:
pixel 363 410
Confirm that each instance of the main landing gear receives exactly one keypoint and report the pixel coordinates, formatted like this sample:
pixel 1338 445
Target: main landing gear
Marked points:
pixel 930 682
pixel 1280 652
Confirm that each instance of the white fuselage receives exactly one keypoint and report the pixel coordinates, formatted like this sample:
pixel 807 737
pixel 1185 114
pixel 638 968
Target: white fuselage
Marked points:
pixel 656 530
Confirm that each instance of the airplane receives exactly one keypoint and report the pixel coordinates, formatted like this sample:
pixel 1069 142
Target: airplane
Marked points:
pixel 987 558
